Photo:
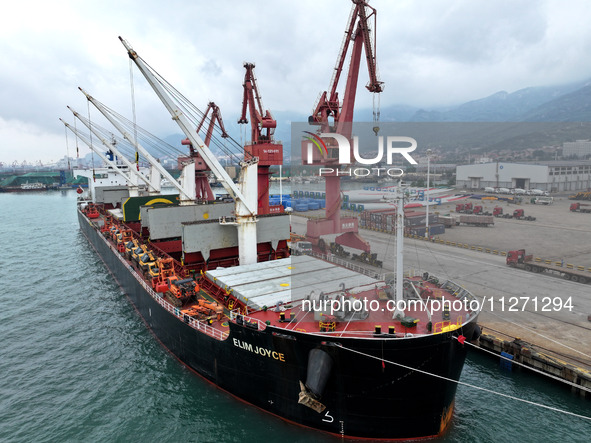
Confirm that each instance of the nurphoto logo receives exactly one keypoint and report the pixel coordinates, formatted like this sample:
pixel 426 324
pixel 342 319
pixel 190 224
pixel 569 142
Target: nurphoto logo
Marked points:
pixel 394 145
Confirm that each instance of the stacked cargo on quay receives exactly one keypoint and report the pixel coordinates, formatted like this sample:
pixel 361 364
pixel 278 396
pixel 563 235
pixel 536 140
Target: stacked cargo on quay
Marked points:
pixel 348 353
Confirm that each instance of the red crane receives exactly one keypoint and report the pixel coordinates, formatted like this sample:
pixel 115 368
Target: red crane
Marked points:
pixel 262 144
pixel 330 107
pixel 328 104
pixel 202 188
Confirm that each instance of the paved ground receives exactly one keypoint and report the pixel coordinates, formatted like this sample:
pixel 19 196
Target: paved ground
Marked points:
pixel 556 234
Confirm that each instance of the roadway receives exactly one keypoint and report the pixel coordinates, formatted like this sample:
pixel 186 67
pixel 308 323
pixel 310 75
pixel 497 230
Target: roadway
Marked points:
pixel 542 316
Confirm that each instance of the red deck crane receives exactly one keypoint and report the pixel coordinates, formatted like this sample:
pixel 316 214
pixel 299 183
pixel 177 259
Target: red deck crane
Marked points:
pixel 262 144
pixel 203 190
pixel 329 107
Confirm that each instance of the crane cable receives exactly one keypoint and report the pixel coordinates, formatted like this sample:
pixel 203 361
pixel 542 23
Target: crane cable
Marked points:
pixel 467 384
pixel 137 155
pixel 77 150
pixel 67 148
pixel 91 149
pixel 192 112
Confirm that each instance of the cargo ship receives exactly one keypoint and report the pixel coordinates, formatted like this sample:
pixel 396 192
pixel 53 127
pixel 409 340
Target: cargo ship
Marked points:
pixel 345 368
pixel 335 348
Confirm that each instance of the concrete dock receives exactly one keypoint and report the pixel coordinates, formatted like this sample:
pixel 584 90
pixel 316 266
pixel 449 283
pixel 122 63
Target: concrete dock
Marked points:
pixel 542 320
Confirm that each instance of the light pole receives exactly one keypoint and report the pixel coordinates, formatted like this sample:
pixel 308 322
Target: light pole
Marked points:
pixel 427 193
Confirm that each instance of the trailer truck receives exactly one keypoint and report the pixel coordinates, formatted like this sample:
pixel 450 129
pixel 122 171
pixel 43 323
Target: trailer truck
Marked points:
pixel 518 259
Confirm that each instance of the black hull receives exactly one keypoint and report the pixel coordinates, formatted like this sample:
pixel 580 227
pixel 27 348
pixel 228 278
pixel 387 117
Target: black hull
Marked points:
pixel 364 397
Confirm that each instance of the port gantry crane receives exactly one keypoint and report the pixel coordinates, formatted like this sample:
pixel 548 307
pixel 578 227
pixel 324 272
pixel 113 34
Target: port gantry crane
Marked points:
pixel 328 108
pixel 262 144
pixel 203 190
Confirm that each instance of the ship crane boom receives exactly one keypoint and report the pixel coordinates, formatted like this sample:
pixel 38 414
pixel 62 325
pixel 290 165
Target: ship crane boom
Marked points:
pixel 184 192
pixel 131 168
pixel 128 175
pixel 244 197
pixel 244 205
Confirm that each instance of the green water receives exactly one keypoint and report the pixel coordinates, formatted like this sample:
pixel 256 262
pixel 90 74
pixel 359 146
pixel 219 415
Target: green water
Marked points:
pixel 78 364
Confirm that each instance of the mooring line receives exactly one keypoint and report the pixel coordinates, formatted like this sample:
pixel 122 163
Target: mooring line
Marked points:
pixel 468 384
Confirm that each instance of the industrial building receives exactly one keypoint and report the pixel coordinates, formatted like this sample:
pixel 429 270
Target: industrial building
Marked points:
pixel 552 176
pixel 580 149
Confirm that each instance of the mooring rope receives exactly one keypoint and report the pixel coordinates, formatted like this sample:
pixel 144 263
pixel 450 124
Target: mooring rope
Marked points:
pixel 467 384
pixel 537 333
pixel 583 388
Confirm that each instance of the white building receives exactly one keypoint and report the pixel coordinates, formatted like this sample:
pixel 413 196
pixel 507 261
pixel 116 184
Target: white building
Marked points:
pixel 580 148
pixel 552 176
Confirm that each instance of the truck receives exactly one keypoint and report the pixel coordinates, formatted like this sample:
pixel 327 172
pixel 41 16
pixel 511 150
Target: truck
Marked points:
pixel 301 248
pixel 498 212
pixel 479 210
pixel 476 220
pixel 543 200
pixel 538 192
pixel 464 208
pixel 518 259
pixel 580 207
pixel 519 214
pixel 448 221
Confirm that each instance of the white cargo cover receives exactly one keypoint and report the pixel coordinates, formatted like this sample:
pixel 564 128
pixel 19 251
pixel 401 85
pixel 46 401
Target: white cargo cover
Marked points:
pixel 285 280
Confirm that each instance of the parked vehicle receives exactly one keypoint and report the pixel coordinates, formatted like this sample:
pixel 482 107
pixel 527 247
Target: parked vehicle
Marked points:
pixel 301 248
pixel 539 192
pixel 519 214
pixel 580 207
pixel 518 259
pixel 543 200
pixel 498 212
pixel 476 220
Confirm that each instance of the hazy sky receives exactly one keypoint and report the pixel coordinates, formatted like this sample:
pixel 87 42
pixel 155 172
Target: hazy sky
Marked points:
pixel 430 53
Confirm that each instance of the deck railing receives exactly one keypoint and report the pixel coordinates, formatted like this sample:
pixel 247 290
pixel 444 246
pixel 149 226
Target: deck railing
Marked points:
pixel 254 323
pixel 346 264
pixel 195 324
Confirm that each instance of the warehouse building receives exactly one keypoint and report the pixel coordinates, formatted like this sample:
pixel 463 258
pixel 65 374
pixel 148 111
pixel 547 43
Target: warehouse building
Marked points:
pixel 580 149
pixel 552 176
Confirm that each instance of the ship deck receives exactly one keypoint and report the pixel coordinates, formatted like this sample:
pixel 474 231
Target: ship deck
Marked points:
pixel 310 295
pixel 306 294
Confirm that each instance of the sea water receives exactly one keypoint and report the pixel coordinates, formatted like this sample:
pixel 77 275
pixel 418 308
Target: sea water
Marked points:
pixel 77 363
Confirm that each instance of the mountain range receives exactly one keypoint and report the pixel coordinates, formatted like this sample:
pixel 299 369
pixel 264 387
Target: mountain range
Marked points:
pixel 543 103
pixel 562 103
